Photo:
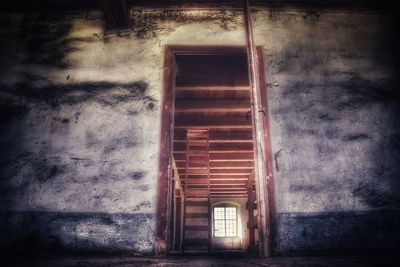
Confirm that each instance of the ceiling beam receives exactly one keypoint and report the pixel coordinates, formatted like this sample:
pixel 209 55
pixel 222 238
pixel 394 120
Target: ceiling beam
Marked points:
pixel 207 93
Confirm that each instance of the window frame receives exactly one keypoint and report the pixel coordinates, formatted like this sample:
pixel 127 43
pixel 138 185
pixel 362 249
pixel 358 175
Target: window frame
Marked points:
pixel 236 220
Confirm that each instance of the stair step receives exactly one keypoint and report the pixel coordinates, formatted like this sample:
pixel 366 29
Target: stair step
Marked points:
pixel 197 228
pixel 197 242
pixel 196 203
pixel 196 215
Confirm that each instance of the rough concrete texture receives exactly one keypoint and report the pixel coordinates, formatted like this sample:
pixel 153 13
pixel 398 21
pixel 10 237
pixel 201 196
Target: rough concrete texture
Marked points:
pixel 334 112
pixel 80 115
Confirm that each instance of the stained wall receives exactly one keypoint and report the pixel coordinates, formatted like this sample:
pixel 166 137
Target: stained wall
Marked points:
pixel 80 118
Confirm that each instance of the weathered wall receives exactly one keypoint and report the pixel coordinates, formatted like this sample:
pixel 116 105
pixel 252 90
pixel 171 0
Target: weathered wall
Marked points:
pixel 80 113
pixel 334 112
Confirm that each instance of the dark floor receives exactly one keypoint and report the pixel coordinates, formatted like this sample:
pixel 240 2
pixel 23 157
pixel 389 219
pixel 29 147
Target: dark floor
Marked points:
pixel 203 261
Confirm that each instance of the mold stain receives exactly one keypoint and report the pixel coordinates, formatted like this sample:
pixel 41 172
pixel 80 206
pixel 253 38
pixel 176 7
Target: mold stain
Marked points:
pixel 149 24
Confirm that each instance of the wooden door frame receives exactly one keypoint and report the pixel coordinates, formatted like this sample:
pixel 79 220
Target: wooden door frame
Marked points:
pixel 163 214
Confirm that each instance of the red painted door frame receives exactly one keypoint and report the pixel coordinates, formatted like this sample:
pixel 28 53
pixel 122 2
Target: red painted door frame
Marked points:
pixel 164 187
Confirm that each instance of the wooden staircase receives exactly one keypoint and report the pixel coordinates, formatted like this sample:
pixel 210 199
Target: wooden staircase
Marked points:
pixel 197 210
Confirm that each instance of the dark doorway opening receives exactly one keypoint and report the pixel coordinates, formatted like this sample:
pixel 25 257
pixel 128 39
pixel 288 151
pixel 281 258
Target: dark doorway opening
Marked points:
pixel 207 199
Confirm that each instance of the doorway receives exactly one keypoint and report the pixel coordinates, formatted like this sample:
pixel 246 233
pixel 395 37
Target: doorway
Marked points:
pixel 207 197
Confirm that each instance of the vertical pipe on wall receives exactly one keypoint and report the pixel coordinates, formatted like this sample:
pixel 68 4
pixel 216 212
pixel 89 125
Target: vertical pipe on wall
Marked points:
pixel 258 135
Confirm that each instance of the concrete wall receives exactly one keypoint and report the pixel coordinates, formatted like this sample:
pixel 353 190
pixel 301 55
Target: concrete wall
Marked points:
pixel 80 113
pixel 334 112
pixel 80 116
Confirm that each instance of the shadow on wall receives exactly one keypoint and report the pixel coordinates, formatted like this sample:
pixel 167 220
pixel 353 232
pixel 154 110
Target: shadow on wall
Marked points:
pixel 76 233
pixel 46 38
pixel 332 114
pixel 21 165
pixel 338 231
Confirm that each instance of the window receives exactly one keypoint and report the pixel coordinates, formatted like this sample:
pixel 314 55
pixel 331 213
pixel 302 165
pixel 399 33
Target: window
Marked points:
pixel 225 221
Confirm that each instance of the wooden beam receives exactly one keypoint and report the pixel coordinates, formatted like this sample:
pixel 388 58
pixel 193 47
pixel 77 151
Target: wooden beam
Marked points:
pixel 222 186
pixel 219 164
pixel 196 228
pixel 189 105
pixel 228 190
pixel 196 215
pixel 196 242
pixel 196 192
pixel 219 135
pixel 216 171
pixel 214 182
pixel 164 179
pixel 216 147
pixel 229 121
pixel 228 196
pixel 196 203
pixel 208 93
pixel 223 156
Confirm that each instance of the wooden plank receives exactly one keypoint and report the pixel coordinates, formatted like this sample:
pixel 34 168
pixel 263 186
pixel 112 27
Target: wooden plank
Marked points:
pixel 242 156
pixel 196 215
pixel 242 177
pixel 235 135
pixel 195 192
pixel 232 120
pixel 164 179
pixel 196 228
pixel 196 181
pixel 217 165
pixel 198 242
pixel 216 147
pixel 222 186
pixel 223 156
pixel 228 190
pixel 229 177
pixel 193 171
pixel 227 182
pixel 270 210
pixel 177 223
pixel 196 203
pixel 215 182
pixel 211 80
pixel 212 88
pixel 212 94
pixel 190 105
pixel 228 196
pixel 217 173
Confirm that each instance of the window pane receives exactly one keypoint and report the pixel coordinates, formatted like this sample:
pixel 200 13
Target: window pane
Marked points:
pixel 219 228
pixel 219 213
pixel 230 213
pixel 230 228
pixel 225 221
